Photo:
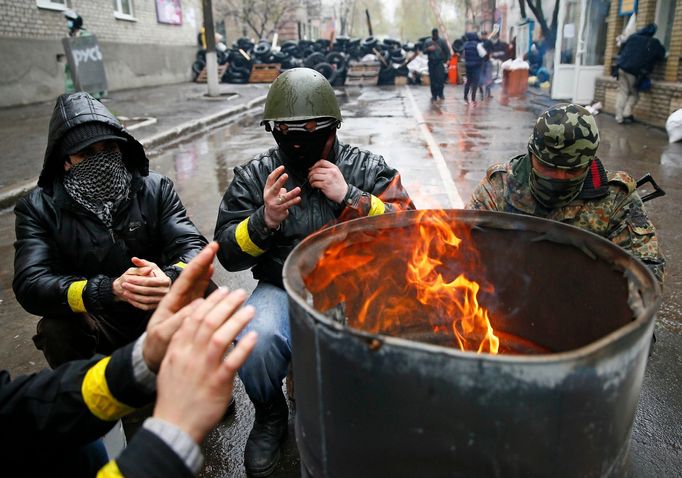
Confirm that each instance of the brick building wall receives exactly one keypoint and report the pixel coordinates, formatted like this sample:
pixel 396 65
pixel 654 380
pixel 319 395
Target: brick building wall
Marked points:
pixel 138 52
pixel 616 24
pixel 26 20
pixel 665 96
pixel 672 72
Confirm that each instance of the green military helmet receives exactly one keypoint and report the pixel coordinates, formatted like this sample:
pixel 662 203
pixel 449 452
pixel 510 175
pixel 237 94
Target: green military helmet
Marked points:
pixel 301 94
pixel 565 136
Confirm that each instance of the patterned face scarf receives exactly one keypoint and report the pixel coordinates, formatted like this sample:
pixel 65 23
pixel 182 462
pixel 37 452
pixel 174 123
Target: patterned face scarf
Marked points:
pixel 99 183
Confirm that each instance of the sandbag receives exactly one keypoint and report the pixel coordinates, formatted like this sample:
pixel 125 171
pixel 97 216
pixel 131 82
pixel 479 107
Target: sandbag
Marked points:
pixel 674 126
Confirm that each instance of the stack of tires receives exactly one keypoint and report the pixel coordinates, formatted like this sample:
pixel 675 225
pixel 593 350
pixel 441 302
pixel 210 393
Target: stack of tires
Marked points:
pixel 330 59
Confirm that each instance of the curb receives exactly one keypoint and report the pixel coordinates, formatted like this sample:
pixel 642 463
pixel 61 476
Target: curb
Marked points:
pixel 8 198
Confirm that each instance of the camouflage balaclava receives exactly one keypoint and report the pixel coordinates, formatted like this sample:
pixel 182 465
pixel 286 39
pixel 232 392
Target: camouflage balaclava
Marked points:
pixel 565 137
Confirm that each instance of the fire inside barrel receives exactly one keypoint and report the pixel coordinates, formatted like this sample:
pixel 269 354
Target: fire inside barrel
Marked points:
pixel 372 301
pixel 413 282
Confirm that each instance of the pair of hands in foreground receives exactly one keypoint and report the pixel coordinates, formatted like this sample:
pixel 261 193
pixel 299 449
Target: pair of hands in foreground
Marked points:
pixel 187 343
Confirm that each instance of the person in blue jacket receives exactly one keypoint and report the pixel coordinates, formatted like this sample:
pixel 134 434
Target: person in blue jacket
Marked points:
pixel 472 63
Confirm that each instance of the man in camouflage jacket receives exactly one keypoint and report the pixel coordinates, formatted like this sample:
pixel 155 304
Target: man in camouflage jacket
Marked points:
pixel 560 178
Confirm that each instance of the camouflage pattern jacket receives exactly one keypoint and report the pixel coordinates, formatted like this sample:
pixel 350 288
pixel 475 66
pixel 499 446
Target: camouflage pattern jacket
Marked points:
pixel 617 215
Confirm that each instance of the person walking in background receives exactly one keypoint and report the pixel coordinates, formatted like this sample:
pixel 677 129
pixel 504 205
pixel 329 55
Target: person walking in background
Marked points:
pixel 636 60
pixel 472 62
pixel 438 53
pixel 485 49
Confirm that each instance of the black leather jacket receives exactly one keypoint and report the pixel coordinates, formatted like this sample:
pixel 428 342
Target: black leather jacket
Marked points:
pixel 374 188
pixel 60 243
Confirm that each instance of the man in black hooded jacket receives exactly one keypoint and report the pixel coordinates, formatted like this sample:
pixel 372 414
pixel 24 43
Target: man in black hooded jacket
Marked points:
pixel 636 61
pixel 100 240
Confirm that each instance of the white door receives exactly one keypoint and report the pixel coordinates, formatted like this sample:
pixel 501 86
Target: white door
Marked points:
pixel 579 49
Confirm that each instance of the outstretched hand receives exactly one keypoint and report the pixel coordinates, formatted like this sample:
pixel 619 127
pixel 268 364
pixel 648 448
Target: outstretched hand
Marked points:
pixel 195 383
pixel 178 304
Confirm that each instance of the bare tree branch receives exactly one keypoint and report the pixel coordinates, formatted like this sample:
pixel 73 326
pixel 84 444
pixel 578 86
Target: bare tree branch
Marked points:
pixel 262 17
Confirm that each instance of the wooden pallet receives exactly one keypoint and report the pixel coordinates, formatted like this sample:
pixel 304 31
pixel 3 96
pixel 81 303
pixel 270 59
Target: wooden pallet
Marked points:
pixel 363 73
pixel 203 75
pixel 265 73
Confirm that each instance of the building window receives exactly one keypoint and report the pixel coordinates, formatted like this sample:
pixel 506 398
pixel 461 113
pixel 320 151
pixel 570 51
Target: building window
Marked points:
pixel 53 4
pixel 665 14
pixel 123 9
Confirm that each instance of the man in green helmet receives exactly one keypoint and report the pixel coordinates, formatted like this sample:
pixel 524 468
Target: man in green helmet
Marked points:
pixel 308 181
pixel 561 178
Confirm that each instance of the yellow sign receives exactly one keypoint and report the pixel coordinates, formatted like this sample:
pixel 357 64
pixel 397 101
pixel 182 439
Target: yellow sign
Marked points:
pixel 627 7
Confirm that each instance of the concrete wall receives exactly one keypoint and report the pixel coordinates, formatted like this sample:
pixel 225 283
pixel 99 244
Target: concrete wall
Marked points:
pixel 141 52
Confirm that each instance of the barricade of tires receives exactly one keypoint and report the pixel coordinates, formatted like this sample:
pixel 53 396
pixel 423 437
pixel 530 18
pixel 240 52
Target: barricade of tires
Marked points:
pixel 330 59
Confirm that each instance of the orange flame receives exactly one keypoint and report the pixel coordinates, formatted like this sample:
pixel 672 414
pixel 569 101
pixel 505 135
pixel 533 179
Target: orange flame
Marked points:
pixel 393 281
pixel 458 298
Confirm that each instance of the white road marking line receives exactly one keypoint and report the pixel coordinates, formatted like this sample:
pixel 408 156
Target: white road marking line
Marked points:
pixel 448 183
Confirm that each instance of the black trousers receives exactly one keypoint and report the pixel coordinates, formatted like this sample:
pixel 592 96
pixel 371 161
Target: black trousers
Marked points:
pixel 437 79
pixel 62 338
pixel 473 78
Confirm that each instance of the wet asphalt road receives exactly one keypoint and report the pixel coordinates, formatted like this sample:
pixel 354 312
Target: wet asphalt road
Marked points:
pixel 452 146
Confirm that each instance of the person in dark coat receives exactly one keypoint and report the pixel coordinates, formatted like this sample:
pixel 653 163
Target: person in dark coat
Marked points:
pixel 438 53
pixel 100 240
pixel 308 181
pixel 472 63
pixel 636 60
pixel 55 412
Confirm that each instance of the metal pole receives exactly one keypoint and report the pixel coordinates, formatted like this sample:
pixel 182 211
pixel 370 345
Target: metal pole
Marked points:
pixel 369 22
pixel 211 58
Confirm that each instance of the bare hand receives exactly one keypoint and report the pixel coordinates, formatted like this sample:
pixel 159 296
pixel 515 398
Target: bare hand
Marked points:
pixel 177 305
pixel 327 177
pixel 195 382
pixel 277 199
pixel 143 286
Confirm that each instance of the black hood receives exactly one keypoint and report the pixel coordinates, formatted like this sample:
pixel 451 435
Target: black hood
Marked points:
pixel 75 109
pixel 648 31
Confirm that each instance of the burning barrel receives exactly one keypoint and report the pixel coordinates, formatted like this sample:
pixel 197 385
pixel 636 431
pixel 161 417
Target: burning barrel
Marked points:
pixel 466 343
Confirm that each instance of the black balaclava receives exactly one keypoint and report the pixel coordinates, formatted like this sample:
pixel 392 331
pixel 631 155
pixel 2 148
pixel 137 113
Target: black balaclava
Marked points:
pixel 302 149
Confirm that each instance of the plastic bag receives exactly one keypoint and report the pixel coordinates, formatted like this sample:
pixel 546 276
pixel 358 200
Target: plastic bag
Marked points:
pixel 629 29
pixel 674 126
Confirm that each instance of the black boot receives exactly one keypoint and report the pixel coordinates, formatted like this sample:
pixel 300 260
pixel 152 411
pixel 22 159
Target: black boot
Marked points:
pixel 264 443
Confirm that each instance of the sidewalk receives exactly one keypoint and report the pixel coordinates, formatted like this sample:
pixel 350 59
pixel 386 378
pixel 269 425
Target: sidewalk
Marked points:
pixel 169 112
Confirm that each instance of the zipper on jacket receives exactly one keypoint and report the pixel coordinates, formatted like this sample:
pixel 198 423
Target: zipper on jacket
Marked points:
pixel 112 235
